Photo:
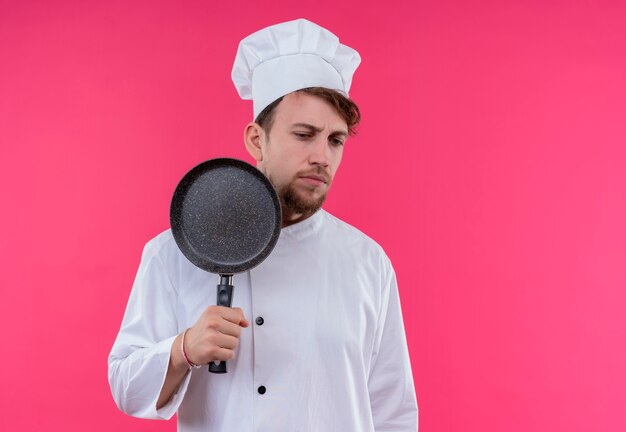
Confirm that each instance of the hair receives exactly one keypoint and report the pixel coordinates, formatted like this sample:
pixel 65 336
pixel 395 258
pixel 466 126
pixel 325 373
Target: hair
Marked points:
pixel 345 107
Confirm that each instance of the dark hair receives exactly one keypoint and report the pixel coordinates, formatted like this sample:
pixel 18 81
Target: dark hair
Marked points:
pixel 346 108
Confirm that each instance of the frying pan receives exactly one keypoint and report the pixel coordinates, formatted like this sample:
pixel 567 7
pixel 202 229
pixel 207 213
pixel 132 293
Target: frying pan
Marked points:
pixel 225 217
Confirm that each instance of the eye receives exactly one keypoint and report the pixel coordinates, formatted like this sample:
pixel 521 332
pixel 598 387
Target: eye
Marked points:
pixel 302 135
pixel 336 142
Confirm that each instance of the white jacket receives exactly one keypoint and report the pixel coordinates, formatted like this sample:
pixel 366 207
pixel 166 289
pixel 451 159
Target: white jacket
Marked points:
pixel 331 352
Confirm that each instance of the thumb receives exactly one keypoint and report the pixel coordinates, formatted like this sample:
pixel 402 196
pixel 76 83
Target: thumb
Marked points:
pixel 243 322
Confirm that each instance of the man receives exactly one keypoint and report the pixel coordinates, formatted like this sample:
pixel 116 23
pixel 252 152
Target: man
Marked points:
pixel 326 350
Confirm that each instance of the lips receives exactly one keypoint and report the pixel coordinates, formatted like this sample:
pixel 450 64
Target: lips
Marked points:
pixel 317 177
pixel 314 177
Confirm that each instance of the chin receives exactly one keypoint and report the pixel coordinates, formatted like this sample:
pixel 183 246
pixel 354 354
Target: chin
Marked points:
pixel 299 202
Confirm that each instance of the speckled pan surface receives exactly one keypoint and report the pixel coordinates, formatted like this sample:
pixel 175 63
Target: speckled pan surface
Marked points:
pixel 225 216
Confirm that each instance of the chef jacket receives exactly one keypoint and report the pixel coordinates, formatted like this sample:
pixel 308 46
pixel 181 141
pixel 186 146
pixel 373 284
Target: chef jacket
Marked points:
pixel 326 350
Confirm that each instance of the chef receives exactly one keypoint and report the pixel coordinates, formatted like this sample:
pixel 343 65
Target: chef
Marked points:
pixel 315 339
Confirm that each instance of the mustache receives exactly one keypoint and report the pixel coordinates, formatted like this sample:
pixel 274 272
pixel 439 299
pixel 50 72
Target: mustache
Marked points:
pixel 317 172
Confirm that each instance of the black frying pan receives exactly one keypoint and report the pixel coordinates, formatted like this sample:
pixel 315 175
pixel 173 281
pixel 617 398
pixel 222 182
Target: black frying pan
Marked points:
pixel 226 218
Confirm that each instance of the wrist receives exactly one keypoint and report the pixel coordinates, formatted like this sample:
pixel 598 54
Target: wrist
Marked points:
pixel 183 351
pixel 177 360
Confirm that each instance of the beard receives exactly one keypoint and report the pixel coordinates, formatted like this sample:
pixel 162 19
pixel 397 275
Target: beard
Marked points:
pixel 295 201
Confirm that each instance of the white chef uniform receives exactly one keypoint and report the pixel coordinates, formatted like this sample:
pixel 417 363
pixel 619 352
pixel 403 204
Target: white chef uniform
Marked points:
pixel 331 351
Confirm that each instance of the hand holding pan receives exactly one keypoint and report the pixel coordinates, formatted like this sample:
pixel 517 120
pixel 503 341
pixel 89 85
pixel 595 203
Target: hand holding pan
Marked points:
pixel 226 218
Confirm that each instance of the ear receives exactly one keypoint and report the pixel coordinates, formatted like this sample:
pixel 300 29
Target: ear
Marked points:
pixel 253 137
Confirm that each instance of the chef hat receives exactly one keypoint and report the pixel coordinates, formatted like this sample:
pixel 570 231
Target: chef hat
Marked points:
pixel 290 56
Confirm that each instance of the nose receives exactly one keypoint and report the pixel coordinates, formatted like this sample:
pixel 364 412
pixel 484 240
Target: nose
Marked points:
pixel 320 152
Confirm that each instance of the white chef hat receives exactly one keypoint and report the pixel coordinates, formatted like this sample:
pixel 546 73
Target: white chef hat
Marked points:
pixel 290 56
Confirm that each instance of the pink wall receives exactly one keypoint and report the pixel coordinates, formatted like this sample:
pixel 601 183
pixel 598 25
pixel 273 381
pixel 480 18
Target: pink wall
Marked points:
pixel 491 166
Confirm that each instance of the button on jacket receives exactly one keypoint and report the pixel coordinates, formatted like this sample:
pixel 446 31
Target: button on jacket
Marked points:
pixel 330 355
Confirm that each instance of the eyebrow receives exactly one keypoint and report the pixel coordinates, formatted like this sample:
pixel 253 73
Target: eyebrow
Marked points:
pixel 316 129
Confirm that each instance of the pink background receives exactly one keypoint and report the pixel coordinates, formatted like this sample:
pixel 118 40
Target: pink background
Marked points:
pixel 491 166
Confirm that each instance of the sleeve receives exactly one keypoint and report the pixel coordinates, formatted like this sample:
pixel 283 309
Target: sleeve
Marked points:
pixel 140 355
pixel 390 383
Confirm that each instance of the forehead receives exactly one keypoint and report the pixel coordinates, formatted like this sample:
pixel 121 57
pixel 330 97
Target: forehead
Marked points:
pixel 301 107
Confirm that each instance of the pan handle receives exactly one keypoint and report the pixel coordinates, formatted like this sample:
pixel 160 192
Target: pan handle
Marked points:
pixel 224 298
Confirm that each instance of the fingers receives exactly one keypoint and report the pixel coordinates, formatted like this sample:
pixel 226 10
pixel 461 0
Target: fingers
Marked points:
pixel 222 354
pixel 215 336
pixel 220 340
pixel 234 315
pixel 209 353
pixel 225 320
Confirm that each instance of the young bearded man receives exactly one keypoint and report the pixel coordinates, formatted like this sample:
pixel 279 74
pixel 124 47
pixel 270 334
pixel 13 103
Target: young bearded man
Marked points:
pixel 326 350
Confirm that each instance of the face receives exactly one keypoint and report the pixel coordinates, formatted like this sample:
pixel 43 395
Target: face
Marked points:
pixel 302 151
